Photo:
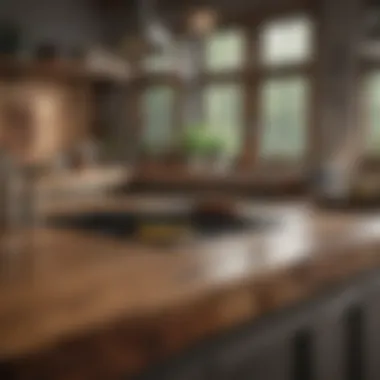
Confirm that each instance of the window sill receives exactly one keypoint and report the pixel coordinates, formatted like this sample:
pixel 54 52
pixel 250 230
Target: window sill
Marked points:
pixel 180 176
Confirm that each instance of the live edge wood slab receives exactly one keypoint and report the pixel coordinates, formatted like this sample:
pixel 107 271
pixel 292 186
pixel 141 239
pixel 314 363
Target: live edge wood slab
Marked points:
pixel 75 305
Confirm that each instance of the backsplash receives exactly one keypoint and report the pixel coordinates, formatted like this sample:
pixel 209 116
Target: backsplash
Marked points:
pixel 39 119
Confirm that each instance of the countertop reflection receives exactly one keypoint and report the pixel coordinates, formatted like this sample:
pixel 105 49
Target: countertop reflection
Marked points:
pixel 55 283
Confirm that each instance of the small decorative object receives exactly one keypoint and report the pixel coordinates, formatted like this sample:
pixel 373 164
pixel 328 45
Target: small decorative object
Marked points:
pixel 9 38
pixel 203 21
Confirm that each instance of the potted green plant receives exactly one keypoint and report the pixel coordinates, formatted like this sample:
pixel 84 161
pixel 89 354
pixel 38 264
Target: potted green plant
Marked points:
pixel 204 150
pixel 193 142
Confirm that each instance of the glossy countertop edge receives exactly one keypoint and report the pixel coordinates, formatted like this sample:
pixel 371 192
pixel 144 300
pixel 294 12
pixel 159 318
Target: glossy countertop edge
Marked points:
pixel 219 300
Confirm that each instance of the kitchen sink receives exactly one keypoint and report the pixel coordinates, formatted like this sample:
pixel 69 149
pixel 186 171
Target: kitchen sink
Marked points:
pixel 128 225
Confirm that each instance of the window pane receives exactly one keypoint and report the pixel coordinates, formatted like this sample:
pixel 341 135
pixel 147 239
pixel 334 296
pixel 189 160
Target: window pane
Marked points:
pixel 223 108
pixel 372 136
pixel 286 41
pixel 284 118
pixel 224 50
pixel 157 117
pixel 160 62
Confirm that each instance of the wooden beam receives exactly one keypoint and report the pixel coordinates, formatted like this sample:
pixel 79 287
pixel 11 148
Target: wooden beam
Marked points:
pixel 337 75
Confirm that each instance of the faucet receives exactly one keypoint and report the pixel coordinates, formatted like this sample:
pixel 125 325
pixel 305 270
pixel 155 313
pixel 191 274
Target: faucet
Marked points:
pixel 17 195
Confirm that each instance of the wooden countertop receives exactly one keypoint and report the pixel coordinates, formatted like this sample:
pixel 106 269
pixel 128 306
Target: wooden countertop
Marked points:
pixel 58 286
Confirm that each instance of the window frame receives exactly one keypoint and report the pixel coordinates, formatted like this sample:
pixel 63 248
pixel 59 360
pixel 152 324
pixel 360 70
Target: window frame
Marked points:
pixel 292 161
pixel 172 82
pixel 306 70
pixel 251 77
pixel 229 76
pixel 368 67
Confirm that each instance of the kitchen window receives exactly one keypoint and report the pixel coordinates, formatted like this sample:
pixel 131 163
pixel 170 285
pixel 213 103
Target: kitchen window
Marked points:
pixel 158 105
pixel 252 89
pixel 285 51
pixel 223 115
pixel 284 117
pixel 372 114
pixel 224 51
pixel 161 62
pixel 286 42
pixel 223 88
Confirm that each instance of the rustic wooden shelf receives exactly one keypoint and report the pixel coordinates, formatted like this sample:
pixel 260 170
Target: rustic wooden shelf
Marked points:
pixel 54 70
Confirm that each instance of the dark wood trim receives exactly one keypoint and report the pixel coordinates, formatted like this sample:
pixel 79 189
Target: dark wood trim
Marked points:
pixel 57 71
pixel 367 65
pixel 241 17
pixel 250 74
pixel 290 70
pixel 157 79
pixel 314 135
pixel 222 77
pixel 179 111
pixel 251 77
pixel 273 181
pixel 250 102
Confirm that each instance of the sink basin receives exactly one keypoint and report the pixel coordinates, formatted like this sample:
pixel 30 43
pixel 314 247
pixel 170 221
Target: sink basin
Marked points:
pixel 130 225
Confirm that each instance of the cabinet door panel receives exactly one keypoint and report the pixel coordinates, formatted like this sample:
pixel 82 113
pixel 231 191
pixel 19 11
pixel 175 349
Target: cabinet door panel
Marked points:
pixel 262 355
pixel 334 334
pixel 372 331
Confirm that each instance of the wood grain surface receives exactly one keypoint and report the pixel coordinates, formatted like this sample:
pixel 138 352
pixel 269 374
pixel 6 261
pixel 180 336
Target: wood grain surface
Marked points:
pixel 74 302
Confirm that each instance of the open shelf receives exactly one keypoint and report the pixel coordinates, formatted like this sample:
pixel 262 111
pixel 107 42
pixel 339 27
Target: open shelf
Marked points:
pixel 55 70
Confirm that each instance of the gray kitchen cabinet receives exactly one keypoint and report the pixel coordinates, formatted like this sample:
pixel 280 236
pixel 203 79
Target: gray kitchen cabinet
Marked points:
pixel 371 331
pixel 255 354
pixel 333 331
pixel 336 336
